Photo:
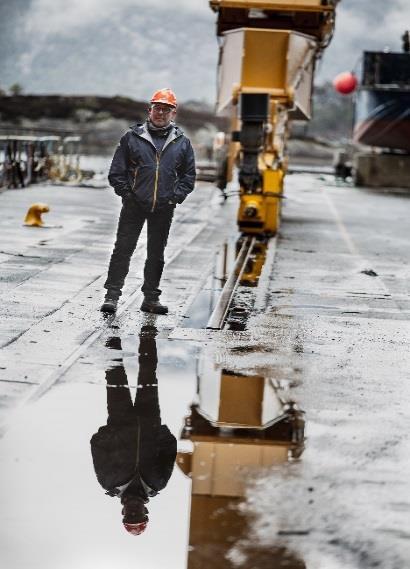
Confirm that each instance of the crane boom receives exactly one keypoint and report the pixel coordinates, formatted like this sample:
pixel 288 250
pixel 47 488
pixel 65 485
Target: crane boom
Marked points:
pixel 268 52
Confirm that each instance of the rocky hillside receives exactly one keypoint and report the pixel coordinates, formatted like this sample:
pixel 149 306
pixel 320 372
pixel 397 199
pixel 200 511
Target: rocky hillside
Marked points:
pixel 99 120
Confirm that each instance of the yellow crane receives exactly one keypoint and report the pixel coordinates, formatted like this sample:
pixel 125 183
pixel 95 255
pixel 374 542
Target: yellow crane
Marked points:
pixel 268 52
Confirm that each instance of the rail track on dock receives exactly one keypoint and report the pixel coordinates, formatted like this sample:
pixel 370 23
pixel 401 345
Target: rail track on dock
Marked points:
pixel 250 274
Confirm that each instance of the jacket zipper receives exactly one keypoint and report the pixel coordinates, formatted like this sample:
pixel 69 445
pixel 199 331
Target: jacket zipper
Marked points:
pixel 158 156
pixel 135 179
pixel 154 201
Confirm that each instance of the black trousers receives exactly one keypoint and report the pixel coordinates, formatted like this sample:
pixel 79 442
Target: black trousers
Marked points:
pixel 145 409
pixel 130 224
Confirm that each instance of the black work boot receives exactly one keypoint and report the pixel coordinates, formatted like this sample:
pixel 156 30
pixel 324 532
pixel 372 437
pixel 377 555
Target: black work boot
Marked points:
pixel 153 306
pixel 110 304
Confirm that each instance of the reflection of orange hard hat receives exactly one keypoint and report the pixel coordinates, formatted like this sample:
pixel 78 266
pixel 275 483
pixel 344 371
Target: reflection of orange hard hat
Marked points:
pixel 165 96
pixel 136 529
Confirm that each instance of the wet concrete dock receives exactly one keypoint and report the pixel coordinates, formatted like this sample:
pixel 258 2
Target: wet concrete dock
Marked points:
pixel 291 434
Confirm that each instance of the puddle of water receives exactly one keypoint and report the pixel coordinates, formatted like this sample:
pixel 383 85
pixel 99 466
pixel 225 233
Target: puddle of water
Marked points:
pixel 239 427
pixel 50 493
pixel 54 480
pixel 205 302
pixel 120 436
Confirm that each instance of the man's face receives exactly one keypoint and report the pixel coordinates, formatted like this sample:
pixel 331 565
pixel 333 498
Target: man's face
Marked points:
pixel 134 511
pixel 161 115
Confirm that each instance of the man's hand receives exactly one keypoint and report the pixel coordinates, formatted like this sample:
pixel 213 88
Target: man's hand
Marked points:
pixel 127 196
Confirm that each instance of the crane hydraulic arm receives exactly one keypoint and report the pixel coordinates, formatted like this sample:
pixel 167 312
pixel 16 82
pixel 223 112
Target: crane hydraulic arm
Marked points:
pixel 267 58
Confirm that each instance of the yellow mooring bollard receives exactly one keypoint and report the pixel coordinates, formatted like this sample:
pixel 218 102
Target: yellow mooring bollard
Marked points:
pixel 33 216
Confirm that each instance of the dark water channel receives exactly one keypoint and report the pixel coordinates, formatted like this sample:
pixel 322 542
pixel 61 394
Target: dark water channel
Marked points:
pixel 205 302
pixel 144 462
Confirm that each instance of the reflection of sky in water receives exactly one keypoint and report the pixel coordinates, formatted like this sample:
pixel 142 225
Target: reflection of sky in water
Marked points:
pixel 202 307
pixel 55 513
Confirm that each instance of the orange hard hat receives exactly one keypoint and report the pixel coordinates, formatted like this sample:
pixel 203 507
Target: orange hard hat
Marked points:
pixel 165 96
pixel 136 529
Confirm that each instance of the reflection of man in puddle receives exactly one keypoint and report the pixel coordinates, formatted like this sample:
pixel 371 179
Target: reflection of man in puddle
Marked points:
pixel 134 454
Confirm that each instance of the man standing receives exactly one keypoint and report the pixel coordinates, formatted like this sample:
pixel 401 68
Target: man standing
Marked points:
pixel 153 169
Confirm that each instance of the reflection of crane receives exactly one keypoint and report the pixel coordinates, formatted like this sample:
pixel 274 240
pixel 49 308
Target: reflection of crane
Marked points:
pixel 238 425
pixel 267 58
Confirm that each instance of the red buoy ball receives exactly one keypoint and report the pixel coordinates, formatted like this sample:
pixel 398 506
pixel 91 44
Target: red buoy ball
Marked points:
pixel 345 83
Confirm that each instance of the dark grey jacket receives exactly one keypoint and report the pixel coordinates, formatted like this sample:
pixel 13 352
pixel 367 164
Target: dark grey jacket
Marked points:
pixel 128 452
pixel 154 179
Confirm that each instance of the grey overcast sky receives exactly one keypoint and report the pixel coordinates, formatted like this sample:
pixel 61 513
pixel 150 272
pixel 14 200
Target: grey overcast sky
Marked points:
pixel 132 47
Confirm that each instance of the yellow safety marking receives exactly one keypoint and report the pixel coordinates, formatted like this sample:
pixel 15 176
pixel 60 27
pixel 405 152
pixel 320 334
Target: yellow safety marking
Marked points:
pixel 156 185
pixel 135 179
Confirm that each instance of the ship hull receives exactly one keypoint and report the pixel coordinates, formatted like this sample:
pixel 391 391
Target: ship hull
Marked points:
pixel 382 118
